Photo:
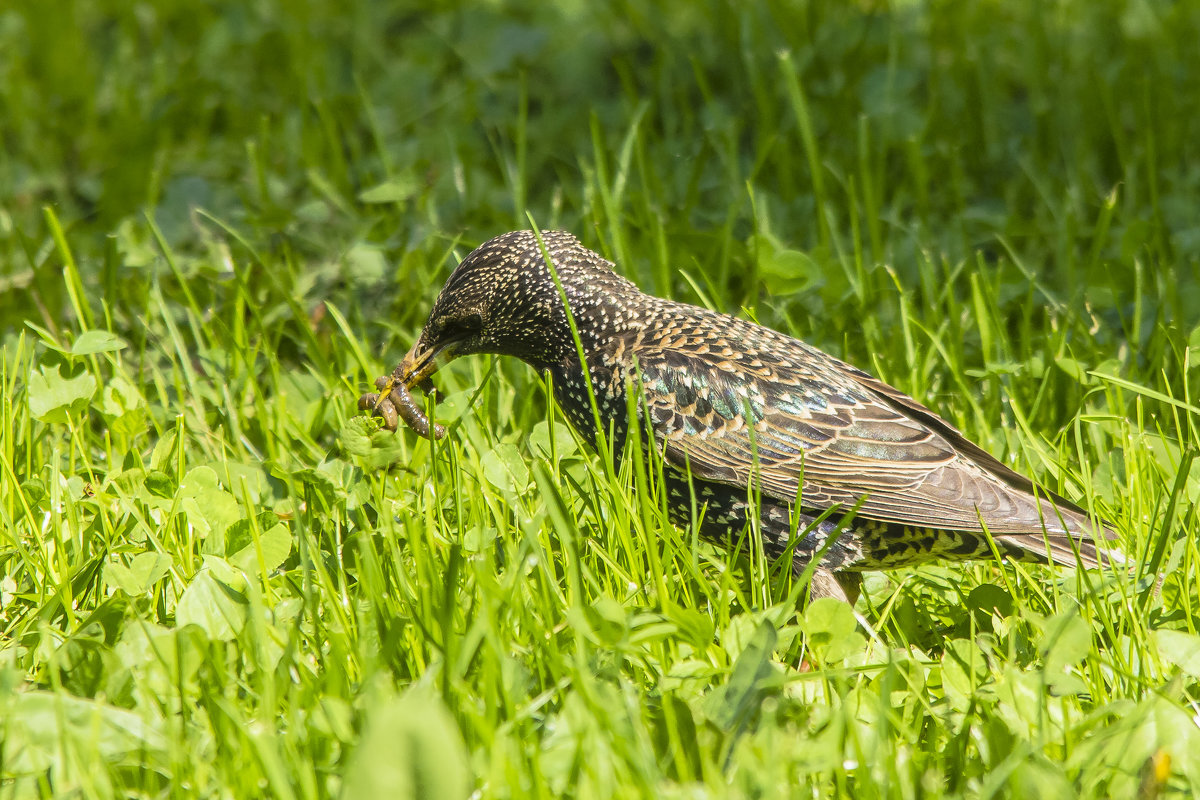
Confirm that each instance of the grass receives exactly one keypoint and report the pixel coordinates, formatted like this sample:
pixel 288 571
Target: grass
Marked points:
pixel 221 222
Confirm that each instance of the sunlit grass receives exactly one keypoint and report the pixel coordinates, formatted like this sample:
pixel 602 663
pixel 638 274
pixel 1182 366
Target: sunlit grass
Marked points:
pixel 219 226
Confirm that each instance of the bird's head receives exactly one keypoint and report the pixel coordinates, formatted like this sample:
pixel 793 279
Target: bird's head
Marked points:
pixel 502 299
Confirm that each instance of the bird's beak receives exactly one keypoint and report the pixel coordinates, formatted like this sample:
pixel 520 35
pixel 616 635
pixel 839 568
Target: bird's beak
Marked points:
pixel 415 368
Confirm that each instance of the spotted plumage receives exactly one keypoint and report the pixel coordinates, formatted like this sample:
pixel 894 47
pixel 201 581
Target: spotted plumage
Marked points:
pixel 728 403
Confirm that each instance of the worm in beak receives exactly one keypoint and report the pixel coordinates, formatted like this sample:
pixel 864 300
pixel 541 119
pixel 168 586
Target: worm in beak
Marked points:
pixel 395 402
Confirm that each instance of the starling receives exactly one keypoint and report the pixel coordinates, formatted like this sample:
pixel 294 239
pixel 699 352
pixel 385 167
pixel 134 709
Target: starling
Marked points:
pixel 730 403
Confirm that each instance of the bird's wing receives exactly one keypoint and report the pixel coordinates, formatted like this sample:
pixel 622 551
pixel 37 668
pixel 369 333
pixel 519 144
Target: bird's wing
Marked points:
pixel 794 416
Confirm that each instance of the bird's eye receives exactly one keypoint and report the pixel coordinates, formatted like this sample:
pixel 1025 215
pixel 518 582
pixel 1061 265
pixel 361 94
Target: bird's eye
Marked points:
pixel 461 326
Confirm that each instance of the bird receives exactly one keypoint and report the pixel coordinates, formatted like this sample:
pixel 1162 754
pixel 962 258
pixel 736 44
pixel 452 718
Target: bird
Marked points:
pixel 756 430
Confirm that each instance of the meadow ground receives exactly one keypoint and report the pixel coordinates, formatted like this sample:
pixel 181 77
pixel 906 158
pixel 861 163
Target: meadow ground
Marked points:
pixel 219 222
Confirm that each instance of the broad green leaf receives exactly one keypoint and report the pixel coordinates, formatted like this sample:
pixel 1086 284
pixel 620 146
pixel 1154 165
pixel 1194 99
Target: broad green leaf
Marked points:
pixel 356 434
pixel 504 468
pixel 208 507
pixel 990 599
pixel 163 454
pixel 739 700
pixel 373 446
pixel 1066 640
pixel 334 717
pixel 55 399
pixel 450 408
pixel 197 480
pixel 540 440
pixel 738 633
pixel 964 670
pixel 321 483
pixel 478 538
pixel 785 270
pixel 831 629
pixel 1021 701
pixel 1180 648
pixel 35 726
pixel 212 604
pixel 144 570
pixel 239 536
pixel 339 474
pixel 35 492
pixel 276 545
pixel 411 749
pixel 608 620
pixel 243 481
pixel 160 484
pixel 90 342
pixel 695 627
pixel 123 404
pixel 163 658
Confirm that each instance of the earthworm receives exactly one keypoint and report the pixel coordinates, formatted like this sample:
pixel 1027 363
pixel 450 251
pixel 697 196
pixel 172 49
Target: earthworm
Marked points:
pixel 400 404
pixel 385 409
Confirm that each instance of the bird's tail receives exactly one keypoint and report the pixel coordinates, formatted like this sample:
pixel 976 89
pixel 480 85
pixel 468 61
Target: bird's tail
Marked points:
pixel 1070 538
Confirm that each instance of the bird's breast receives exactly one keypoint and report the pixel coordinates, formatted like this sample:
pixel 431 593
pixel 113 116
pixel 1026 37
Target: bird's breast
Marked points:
pixel 574 392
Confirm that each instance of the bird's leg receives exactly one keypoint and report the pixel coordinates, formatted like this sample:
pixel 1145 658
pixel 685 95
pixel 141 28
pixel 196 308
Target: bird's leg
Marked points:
pixel 845 586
